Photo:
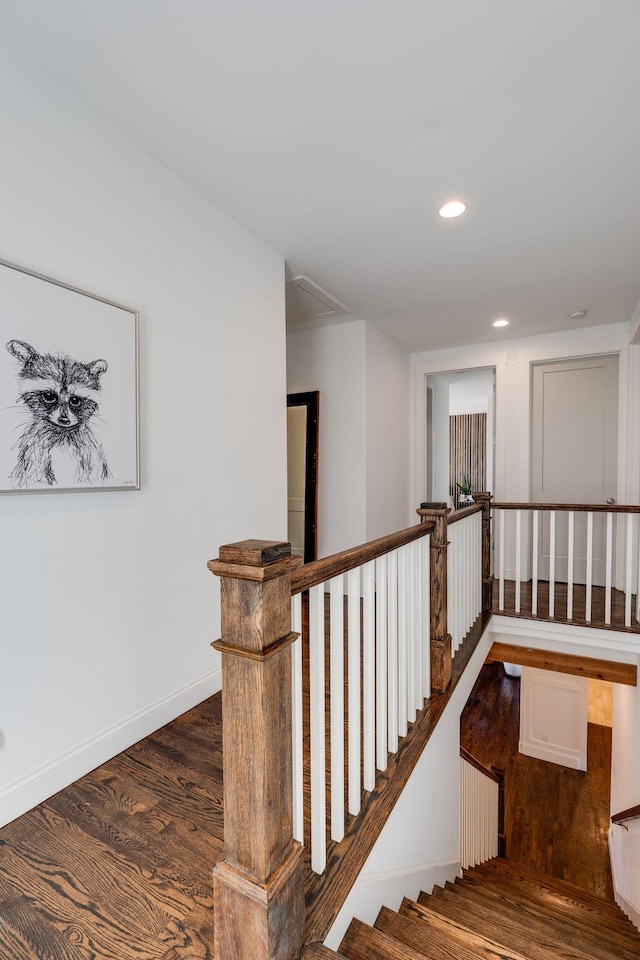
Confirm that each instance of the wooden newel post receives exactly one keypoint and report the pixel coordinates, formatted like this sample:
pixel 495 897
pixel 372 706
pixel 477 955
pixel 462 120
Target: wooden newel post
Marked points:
pixel 258 887
pixel 487 579
pixel 440 639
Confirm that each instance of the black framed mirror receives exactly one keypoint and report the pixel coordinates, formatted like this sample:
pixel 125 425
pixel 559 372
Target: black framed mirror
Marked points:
pixel 302 473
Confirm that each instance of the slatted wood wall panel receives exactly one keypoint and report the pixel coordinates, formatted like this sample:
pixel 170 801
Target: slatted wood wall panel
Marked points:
pixel 467 450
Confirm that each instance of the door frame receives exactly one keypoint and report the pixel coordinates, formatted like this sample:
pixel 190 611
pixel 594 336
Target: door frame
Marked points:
pixel 310 400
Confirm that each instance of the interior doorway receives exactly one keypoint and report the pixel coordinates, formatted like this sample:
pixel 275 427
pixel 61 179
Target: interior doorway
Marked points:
pixel 460 432
pixel 302 473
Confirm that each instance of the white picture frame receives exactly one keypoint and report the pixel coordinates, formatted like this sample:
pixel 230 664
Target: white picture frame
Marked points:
pixel 68 388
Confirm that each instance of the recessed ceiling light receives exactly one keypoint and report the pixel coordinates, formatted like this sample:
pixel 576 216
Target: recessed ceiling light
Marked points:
pixel 502 322
pixel 577 315
pixel 452 209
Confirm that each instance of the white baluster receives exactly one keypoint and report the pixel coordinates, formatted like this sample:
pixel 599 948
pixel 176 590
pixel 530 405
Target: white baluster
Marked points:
pixel 353 667
pixel 392 650
pixel 417 625
pixel 570 550
pixel 589 578
pixel 336 668
pixel 317 698
pixel 609 564
pixel 403 600
pixel 534 563
pixel 451 624
pixel 411 634
pixel 552 563
pixel 425 586
pixel 518 550
pixel 381 663
pixel 503 519
pixel 296 719
pixel 638 585
pixel 628 571
pixel 369 672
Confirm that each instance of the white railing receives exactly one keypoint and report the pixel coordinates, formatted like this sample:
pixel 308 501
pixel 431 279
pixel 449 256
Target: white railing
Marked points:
pixel 479 802
pixel 464 576
pixel 624 850
pixel 372 619
pixel 591 550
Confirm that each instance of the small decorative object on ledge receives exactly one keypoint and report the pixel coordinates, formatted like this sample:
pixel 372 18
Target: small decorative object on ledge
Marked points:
pixel 68 388
pixel 465 497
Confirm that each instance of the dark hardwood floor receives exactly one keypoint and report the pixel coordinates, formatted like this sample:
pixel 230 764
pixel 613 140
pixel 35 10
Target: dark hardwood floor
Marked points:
pixel 118 865
pixel 578 616
pixel 556 818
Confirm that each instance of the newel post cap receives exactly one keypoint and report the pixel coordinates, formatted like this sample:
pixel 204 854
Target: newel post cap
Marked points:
pixel 254 560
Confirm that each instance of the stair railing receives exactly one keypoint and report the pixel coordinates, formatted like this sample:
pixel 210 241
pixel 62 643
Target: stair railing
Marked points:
pixel 622 818
pixel 461 578
pixel 481 811
pixel 590 555
pixel 372 603
pixel 624 851
pixel 383 609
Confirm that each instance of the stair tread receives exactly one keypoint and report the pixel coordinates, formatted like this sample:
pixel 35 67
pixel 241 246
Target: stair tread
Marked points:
pixel 438 940
pixel 487 944
pixel 527 935
pixel 563 887
pixel 528 913
pixel 362 942
pixel 318 951
pixel 586 915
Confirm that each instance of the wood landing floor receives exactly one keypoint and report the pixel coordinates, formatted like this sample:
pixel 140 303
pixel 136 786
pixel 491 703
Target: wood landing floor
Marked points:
pixel 557 819
pixel 118 865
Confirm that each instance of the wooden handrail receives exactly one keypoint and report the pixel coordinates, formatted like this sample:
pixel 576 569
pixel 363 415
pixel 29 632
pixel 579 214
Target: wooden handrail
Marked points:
pixel 631 814
pixel 464 512
pixel 469 757
pixel 319 571
pixel 571 507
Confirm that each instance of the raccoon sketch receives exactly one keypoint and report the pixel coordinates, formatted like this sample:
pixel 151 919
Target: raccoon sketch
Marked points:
pixel 60 394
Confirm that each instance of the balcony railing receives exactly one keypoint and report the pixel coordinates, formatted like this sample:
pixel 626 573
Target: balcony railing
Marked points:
pixel 382 623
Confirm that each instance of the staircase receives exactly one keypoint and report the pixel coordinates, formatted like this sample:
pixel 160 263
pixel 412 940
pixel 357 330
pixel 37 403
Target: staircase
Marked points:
pixel 498 911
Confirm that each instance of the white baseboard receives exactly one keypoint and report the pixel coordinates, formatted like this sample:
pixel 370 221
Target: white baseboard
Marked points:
pixel 632 912
pixel 26 792
pixel 387 888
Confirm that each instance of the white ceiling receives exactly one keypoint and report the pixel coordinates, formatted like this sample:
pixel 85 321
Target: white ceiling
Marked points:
pixel 334 129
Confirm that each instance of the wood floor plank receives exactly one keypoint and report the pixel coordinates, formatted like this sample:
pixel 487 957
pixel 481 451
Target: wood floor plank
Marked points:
pixel 118 866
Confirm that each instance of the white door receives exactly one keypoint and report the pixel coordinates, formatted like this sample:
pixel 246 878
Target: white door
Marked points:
pixel 574 452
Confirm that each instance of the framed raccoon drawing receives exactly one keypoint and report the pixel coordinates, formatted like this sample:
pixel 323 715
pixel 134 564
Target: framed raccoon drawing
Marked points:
pixel 68 388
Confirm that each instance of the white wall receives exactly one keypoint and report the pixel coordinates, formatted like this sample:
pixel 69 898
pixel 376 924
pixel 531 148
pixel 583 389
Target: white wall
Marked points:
pixel 363 456
pixel 419 845
pixel 331 359
pixel 512 360
pixel 387 435
pixel 624 844
pixel 108 609
pixel 440 433
pixel 625 763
